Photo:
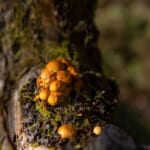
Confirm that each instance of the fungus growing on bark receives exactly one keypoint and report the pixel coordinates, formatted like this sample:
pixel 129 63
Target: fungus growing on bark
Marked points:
pixel 55 98
pixel 67 131
pixel 56 86
pixel 97 130
pixel 65 61
pixel 56 81
pixel 55 65
pixel 43 94
pixel 64 76
pixel 73 71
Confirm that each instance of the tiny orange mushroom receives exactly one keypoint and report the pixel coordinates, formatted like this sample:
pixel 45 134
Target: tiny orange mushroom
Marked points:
pixel 45 77
pixel 97 130
pixel 55 65
pixel 56 86
pixel 64 76
pixel 55 98
pixel 67 131
pixel 72 71
pixel 45 74
pixel 43 94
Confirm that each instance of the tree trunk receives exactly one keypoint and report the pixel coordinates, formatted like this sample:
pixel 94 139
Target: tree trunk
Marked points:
pixel 34 32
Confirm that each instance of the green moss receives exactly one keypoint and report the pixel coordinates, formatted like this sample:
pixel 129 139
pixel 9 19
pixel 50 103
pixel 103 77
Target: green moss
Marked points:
pixel 57 118
pixel 82 113
pixel 56 50
pixel 42 109
pixel 85 123
pixel 33 126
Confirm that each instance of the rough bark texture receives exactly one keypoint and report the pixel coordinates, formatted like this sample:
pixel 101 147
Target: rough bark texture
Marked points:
pixel 32 33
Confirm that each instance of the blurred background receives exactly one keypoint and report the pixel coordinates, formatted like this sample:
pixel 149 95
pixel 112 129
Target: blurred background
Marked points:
pixel 124 43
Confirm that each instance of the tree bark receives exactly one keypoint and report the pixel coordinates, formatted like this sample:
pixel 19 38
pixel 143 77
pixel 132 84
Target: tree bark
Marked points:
pixel 34 32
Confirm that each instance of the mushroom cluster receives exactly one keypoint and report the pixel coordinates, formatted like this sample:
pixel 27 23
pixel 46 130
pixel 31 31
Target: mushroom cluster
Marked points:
pixel 56 81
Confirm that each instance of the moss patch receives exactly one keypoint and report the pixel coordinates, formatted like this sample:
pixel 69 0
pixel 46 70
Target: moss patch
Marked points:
pixel 41 121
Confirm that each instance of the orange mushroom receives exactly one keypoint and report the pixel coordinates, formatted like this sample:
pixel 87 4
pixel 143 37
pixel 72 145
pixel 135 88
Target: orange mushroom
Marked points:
pixel 56 86
pixel 55 98
pixel 43 94
pixel 45 74
pixel 64 76
pixel 73 71
pixel 57 80
pixel 41 83
pixel 97 130
pixel 67 131
pixel 55 65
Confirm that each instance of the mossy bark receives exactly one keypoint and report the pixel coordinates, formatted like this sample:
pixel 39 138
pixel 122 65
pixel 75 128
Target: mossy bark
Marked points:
pixel 34 32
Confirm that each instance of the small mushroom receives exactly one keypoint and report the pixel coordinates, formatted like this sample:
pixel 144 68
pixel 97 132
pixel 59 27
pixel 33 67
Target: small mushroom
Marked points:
pixel 45 77
pixel 41 83
pixel 97 130
pixel 43 94
pixel 55 65
pixel 53 76
pixel 64 76
pixel 55 98
pixel 67 131
pixel 56 86
pixel 45 74
pixel 73 71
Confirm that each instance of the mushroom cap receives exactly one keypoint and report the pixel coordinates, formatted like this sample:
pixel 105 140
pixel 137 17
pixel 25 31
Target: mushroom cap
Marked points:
pixel 53 76
pixel 43 94
pixel 73 71
pixel 67 131
pixel 45 74
pixel 55 98
pixel 56 86
pixel 55 65
pixel 64 76
pixel 41 83
pixel 97 130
